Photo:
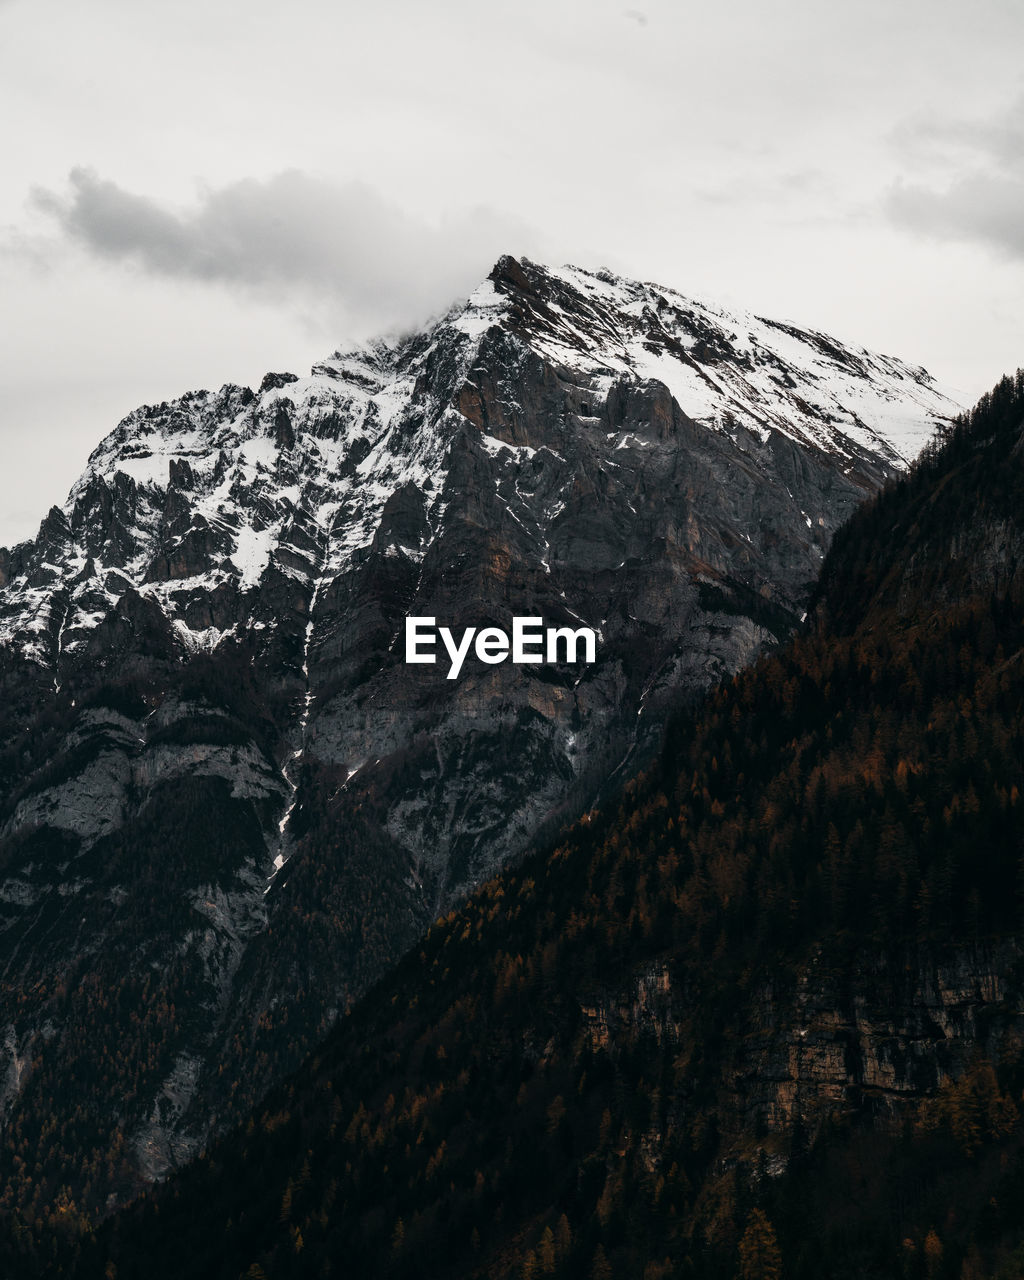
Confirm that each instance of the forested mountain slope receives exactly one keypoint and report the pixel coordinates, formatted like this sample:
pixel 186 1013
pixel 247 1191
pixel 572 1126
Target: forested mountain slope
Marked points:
pixel 763 1016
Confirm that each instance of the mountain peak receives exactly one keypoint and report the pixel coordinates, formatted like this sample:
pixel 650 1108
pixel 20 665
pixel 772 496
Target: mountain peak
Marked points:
pixel 335 444
pixel 511 271
pixel 722 364
pixel 206 644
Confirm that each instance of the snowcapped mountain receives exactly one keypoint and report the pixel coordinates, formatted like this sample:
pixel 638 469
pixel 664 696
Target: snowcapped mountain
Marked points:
pixel 226 489
pixel 216 765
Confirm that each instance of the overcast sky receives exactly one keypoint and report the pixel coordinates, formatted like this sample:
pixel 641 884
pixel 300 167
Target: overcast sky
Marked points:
pixel 194 192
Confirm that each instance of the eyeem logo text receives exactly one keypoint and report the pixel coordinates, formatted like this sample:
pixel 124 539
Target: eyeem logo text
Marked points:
pixel 530 642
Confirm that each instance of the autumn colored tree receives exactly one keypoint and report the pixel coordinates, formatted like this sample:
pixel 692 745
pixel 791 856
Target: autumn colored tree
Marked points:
pixel 759 1250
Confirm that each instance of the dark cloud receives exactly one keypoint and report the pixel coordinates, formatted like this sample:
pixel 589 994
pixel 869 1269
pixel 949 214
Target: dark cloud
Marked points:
pixel 291 237
pixel 978 191
pixel 999 139
pixel 980 207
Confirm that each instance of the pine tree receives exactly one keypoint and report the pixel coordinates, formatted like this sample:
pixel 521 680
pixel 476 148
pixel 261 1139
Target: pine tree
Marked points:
pixel 759 1250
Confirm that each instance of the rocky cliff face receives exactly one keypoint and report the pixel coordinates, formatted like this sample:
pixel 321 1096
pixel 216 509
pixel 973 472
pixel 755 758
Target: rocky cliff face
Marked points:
pixel 564 444
pixel 826 1044
pixel 223 792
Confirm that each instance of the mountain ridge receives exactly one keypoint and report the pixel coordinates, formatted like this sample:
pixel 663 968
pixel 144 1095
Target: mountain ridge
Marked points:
pixel 376 373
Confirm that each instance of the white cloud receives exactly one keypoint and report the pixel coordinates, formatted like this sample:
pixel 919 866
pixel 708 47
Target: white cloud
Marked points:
pixel 339 249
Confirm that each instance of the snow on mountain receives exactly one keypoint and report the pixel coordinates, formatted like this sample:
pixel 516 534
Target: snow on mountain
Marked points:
pixel 718 363
pixel 218 488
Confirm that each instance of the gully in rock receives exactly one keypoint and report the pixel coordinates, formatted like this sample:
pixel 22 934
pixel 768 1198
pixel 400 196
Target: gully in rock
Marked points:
pixel 288 771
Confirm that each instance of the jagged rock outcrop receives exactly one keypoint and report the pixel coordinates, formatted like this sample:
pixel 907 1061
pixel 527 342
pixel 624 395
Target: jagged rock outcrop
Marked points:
pixel 824 1045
